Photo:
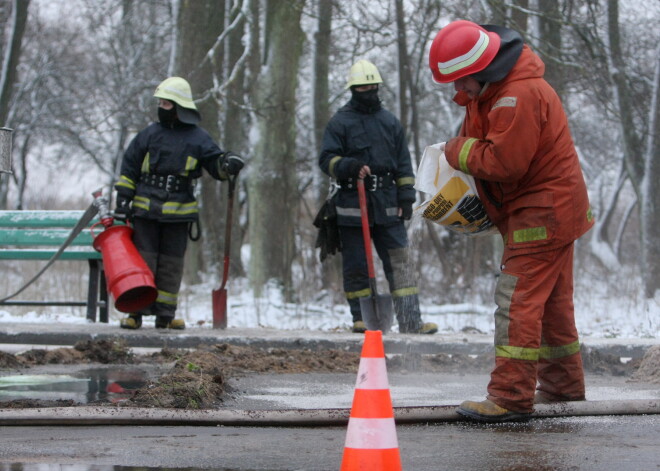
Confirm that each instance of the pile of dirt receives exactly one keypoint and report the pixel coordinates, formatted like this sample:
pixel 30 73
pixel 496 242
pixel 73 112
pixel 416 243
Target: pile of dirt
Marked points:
pixel 595 361
pixel 649 367
pixel 199 379
pixel 87 351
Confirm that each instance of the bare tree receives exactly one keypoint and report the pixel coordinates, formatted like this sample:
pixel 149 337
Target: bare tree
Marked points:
pixel 273 188
pixel 17 18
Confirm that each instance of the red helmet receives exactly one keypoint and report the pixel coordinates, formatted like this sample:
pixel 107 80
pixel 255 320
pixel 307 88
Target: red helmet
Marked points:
pixel 461 48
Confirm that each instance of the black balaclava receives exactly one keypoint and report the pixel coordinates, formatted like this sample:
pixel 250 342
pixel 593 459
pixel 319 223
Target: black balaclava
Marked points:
pixel 368 101
pixel 167 117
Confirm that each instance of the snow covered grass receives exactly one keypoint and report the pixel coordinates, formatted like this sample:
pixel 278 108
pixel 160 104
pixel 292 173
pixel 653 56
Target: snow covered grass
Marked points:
pixel 603 310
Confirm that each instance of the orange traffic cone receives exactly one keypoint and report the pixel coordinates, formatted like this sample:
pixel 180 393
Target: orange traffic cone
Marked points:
pixel 371 442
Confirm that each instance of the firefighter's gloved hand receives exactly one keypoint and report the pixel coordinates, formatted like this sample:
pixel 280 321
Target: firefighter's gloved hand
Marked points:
pixel 353 168
pixel 123 210
pixel 406 210
pixel 232 163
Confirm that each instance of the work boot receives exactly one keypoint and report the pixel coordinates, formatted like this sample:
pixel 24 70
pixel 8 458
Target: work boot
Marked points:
pixel 359 327
pixel 488 411
pixel 427 328
pixel 133 321
pixel 170 323
pixel 542 397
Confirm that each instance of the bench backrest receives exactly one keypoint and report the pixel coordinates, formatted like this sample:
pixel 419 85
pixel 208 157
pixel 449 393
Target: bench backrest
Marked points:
pixel 38 234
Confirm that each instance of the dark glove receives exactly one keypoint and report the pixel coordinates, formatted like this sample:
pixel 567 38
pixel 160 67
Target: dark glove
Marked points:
pixel 232 163
pixel 123 210
pixel 406 210
pixel 328 236
pixel 349 168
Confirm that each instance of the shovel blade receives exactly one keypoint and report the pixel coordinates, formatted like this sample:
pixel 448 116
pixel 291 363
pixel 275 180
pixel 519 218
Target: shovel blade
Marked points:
pixel 219 308
pixel 377 312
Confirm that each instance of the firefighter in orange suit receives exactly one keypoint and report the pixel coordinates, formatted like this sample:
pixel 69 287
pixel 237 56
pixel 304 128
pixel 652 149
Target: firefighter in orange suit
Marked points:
pixel 516 143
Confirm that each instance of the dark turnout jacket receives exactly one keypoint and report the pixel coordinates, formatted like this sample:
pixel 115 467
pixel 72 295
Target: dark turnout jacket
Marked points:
pixel 374 138
pixel 159 169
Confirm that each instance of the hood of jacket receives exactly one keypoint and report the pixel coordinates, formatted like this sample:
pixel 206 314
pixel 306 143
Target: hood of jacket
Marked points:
pixel 528 65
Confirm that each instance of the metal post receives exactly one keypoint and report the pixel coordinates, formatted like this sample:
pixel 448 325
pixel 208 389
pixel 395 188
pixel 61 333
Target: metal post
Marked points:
pixel 5 150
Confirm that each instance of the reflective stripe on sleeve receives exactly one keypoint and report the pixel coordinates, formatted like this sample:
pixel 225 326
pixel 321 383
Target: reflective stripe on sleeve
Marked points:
pixel 125 182
pixel 464 154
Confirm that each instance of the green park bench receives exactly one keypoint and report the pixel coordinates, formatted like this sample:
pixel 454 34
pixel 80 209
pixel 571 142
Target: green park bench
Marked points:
pixel 37 235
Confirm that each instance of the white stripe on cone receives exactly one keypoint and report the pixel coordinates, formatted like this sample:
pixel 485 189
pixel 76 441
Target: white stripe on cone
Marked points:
pixel 371 434
pixel 372 374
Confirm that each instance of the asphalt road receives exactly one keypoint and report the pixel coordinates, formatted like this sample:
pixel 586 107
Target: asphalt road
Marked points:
pixel 602 442
pixel 585 443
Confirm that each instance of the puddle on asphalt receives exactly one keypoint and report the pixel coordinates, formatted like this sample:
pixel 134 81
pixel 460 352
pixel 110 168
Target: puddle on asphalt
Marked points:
pixel 86 386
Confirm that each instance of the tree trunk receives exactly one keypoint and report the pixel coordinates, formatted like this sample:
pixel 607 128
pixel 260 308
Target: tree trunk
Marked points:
pixel 404 74
pixel 650 207
pixel 550 44
pixel 641 164
pixel 632 149
pixel 331 267
pixel 9 75
pixel 199 23
pixel 235 136
pixel 519 16
pixel 272 184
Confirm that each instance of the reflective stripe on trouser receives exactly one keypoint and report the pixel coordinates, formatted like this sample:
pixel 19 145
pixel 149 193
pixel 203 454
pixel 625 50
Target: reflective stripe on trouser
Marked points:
pixel 163 246
pixel 535 333
pixel 390 243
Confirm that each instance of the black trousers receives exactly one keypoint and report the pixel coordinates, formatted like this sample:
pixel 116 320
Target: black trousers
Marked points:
pixel 391 243
pixel 163 246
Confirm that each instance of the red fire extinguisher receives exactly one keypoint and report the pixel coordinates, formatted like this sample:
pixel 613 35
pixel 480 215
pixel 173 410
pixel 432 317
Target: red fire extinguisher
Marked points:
pixel 129 279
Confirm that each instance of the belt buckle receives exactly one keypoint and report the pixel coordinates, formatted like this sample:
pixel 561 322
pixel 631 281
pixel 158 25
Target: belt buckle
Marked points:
pixel 170 183
pixel 371 182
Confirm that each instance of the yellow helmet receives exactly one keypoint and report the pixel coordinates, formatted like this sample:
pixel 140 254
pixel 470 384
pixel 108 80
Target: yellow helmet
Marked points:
pixel 363 72
pixel 177 90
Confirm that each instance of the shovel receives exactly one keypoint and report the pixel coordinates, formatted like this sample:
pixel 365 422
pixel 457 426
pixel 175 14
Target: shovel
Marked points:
pixel 220 295
pixel 377 308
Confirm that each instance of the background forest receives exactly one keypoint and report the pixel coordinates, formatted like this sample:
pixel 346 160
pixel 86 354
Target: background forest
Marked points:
pixel 78 77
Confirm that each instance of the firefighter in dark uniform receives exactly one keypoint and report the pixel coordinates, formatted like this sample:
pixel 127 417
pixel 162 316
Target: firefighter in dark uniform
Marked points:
pixel 155 192
pixel 363 140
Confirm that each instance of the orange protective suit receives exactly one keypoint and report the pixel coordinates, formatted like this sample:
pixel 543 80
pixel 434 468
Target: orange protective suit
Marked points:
pixel 516 142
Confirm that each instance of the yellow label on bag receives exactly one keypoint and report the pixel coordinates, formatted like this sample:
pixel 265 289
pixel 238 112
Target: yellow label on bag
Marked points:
pixel 445 200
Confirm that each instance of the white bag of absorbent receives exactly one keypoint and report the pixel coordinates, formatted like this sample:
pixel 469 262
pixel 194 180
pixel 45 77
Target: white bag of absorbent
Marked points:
pixel 453 199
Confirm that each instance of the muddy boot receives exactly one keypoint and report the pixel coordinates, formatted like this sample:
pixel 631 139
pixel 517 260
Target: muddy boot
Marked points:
pixel 488 411
pixel 169 323
pixel 133 321
pixel 359 327
pixel 409 316
pixel 427 328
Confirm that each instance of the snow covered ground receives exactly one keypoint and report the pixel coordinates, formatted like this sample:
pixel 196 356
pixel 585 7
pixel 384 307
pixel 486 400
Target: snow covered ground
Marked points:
pixel 600 313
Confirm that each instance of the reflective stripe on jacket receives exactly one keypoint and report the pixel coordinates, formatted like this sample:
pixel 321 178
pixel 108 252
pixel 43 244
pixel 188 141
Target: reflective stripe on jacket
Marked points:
pixel 516 142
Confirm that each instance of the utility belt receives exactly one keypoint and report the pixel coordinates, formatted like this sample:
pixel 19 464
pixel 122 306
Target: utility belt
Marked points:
pixel 371 182
pixel 169 183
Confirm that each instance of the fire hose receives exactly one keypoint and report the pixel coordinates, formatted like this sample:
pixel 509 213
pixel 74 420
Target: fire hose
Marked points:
pixel 84 221
pixel 293 417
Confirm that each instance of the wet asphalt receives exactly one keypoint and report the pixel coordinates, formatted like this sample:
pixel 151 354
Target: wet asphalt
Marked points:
pixel 588 442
